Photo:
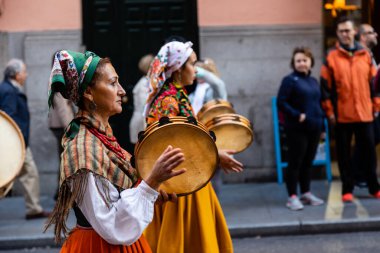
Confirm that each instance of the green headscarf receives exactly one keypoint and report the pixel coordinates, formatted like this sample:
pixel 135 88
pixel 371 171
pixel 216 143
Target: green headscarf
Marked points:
pixel 71 73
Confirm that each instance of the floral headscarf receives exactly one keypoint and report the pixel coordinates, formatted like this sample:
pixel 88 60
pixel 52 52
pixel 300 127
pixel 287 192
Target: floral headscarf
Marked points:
pixel 71 73
pixel 169 59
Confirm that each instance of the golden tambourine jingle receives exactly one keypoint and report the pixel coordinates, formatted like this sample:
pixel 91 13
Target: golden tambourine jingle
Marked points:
pixel 197 144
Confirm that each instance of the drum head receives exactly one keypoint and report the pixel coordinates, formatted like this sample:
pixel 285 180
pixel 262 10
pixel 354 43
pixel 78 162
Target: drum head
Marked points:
pixel 233 136
pixel 232 132
pixel 201 155
pixel 12 151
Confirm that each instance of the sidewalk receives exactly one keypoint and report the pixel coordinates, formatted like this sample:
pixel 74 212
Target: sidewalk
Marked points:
pixel 255 209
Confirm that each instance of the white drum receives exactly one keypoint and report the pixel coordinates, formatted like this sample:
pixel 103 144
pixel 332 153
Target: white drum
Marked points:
pixel 12 152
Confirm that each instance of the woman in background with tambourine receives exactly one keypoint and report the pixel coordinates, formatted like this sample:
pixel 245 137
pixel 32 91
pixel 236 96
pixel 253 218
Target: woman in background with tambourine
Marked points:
pixel 196 222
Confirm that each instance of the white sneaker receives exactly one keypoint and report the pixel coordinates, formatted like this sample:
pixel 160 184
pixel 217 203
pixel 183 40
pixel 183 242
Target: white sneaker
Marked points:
pixel 294 203
pixel 310 199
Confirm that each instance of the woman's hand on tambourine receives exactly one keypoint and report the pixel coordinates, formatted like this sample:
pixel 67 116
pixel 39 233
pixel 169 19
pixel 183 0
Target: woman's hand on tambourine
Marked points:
pixel 164 197
pixel 228 163
pixel 163 167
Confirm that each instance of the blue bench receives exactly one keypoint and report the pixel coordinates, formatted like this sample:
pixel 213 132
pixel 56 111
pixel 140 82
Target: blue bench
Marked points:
pixel 277 146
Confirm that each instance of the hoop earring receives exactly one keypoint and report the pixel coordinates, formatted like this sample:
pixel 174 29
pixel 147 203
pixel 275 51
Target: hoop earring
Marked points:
pixel 92 106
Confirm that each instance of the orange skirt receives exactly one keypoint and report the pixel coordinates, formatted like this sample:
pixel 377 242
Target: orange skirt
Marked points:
pixel 87 240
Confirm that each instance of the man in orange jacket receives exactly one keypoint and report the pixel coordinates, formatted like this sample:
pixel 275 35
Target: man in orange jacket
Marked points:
pixel 350 104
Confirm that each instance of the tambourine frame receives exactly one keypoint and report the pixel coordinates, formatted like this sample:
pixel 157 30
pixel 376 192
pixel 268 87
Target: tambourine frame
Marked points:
pixel 233 119
pixel 174 121
pixel 211 107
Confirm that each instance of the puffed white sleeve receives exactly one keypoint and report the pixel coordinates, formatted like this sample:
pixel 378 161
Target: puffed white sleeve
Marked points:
pixel 130 212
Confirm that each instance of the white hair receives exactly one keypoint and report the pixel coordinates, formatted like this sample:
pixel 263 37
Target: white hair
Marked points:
pixel 13 67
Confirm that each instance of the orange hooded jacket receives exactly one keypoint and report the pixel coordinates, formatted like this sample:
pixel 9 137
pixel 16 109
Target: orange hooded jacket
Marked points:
pixel 347 85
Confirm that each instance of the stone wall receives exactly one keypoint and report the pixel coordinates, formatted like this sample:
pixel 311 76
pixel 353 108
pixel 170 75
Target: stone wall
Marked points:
pixel 251 59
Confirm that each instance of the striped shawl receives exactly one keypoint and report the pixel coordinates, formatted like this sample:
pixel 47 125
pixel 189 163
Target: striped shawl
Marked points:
pixel 84 152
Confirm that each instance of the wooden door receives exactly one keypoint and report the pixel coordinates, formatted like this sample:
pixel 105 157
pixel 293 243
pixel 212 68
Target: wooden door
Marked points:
pixel 125 30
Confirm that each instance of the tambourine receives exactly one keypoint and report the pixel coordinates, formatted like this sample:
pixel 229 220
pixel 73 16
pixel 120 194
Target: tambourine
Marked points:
pixel 12 152
pixel 213 108
pixel 232 131
pixel 197 144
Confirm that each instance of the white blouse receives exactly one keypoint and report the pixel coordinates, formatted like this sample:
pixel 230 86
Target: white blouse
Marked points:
pixel 129 214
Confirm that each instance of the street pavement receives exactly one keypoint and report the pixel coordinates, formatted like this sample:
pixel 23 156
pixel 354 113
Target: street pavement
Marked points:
pixel 360 242
pixel 251 210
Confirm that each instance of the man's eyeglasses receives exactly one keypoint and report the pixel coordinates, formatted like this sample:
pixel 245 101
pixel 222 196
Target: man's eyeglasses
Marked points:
pixel 370 33
pixel 344 31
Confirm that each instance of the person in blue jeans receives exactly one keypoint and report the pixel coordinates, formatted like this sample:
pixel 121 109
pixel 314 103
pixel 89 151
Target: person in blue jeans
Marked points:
pixel 299 100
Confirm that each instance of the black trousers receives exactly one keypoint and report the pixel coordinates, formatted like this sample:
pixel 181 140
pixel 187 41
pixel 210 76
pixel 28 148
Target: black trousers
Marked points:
pixel 365 141
pixel 302 146
pixel 359 175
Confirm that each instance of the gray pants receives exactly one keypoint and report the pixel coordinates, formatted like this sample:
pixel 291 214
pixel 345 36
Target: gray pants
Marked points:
pixel 29 180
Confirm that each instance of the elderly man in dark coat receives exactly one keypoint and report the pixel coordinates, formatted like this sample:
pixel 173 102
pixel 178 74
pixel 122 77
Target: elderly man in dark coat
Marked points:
pixel 13 102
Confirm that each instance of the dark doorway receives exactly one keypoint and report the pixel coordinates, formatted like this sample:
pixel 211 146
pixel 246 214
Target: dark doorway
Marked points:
pixel 125 30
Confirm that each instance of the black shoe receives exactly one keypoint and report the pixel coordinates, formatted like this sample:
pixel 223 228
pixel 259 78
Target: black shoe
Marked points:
pixel 40 215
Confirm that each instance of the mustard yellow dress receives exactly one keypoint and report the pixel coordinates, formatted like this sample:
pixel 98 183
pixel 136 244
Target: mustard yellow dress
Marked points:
pixel 195 224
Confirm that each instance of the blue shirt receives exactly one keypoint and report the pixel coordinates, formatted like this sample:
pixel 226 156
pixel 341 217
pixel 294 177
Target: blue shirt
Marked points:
pixel 300 93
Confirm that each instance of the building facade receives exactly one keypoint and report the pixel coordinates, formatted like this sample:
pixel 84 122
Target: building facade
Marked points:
pixel 251 42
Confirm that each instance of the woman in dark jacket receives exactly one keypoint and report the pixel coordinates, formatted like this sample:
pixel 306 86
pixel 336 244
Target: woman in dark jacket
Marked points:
pixel 299 100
